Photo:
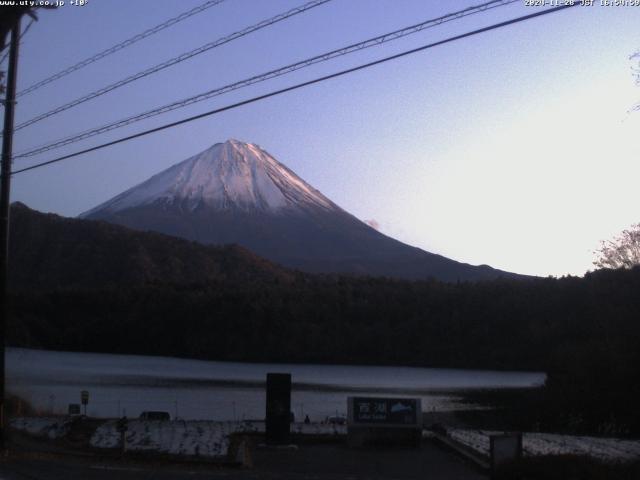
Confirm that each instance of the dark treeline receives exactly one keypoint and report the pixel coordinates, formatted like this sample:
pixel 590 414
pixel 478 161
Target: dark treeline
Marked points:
pixel 585 332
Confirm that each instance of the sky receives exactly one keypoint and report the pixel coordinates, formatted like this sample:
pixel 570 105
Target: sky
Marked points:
pixel 514 148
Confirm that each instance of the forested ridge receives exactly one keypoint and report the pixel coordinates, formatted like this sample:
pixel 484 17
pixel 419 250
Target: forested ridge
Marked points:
pixel 501 324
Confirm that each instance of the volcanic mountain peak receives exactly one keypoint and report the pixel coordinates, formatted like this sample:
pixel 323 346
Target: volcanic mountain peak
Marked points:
pixel 235 192
pixel 229 175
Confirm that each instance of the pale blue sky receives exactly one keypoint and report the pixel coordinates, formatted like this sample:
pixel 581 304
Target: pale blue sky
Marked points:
pixel 513 148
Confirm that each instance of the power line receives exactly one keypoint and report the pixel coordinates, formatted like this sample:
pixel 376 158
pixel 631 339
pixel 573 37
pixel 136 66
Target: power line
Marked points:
pixel 175 60
pixel 299 85
pixel 379 40
pixel 126 43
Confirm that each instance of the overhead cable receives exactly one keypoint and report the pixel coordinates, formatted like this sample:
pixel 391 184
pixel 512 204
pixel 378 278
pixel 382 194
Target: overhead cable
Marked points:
pixel 298 86
pixel 124 44
pixel 381 39
pixel 174 61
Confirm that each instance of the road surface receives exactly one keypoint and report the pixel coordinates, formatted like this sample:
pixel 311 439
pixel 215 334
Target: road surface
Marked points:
pixel 309 462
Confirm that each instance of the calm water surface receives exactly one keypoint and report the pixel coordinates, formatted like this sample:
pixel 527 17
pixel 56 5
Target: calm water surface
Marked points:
pixel 194 389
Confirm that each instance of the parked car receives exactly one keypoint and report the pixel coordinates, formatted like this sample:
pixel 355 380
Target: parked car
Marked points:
pixel 150 415
pixel 336 420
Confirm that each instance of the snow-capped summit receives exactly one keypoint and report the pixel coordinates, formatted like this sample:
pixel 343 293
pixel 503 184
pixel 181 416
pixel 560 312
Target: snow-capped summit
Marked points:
pixel 235 192
pixel 229 175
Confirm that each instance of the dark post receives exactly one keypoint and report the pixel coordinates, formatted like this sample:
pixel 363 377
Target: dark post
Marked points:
pixel 504 448
pixel 278 408
pixel 122 427
pixel 5 185
pixel 84 399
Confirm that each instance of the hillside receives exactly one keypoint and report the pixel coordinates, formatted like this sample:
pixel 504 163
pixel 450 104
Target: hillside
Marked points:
pixel 48 251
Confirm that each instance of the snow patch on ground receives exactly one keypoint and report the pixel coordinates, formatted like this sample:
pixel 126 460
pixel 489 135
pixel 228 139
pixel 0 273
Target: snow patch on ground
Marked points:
pixel 45 427
pixel 533 444
pixel 191 437
pixel 177 437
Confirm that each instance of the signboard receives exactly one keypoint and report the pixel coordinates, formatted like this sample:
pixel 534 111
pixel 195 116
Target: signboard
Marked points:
pixel 84 397
pixel 74 409
pixel 384 421
pixel 278 408
pixel 384 411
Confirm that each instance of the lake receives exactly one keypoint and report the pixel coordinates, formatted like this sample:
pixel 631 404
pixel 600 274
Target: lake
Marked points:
pixel 195 389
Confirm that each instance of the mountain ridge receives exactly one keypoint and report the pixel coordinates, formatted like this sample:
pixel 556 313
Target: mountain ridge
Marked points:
pixel 236 192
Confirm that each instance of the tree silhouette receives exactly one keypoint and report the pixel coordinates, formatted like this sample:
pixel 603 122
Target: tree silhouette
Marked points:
pixel 621 252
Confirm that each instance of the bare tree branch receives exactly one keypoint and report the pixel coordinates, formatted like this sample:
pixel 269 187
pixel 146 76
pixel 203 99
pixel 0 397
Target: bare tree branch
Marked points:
pixel 621 252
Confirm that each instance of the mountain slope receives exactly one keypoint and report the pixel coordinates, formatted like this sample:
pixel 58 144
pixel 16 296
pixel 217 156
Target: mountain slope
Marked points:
pixel 49 251
pixel 228 176
pixel 235 192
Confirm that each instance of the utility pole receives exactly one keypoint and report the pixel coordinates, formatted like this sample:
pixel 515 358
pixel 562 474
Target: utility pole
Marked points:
pixel 5 186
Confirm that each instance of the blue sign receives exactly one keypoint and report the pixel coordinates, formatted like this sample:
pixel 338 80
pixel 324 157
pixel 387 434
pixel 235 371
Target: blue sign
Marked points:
pixel 392 411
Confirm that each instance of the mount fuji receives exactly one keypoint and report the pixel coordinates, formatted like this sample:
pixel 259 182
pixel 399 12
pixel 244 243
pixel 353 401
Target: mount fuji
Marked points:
pixel 235 192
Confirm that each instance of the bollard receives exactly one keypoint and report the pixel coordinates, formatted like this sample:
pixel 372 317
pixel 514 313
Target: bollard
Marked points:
pixel 278 414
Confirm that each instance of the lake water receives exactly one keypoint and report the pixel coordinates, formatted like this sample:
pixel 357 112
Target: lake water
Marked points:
pixel 194 389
